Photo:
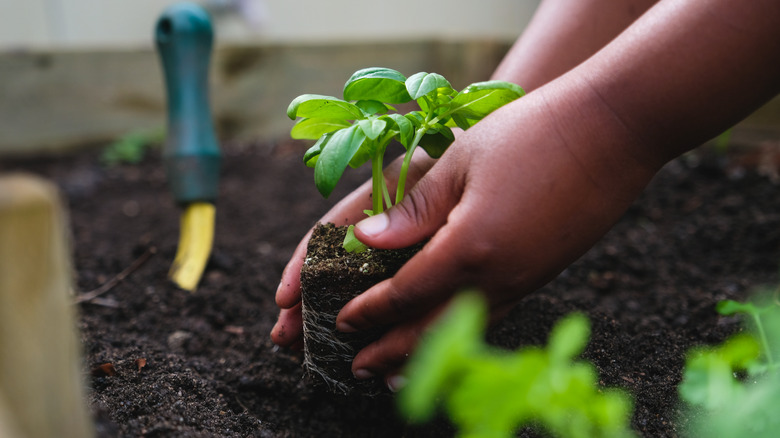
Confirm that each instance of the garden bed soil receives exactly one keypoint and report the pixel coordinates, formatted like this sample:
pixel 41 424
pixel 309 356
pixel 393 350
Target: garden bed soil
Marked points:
pixel 202 364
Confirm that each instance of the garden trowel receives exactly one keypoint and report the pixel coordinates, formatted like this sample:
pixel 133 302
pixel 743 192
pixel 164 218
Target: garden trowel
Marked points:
pixel 191 154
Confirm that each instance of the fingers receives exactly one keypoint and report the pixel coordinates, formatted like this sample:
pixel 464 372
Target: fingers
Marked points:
pixel 288 331
pixel 386 356
pixel 288 294
pixel 347 211
pixel 423 211
pixel 432 275
pixel 426 280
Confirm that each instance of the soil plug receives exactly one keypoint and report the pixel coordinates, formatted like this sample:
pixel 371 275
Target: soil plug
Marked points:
pixel 330 277
pixel 41 391
pixel 191 154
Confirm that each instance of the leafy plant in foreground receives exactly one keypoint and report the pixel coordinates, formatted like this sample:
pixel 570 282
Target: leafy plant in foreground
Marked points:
pixel 489 392
pixel 723 141
pixel 733 390
pixel 358 128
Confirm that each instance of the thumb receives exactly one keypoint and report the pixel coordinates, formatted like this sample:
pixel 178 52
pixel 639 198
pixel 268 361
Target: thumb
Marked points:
pixel 421 213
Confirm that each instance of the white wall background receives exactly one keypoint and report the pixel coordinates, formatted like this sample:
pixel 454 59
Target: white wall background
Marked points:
pixel 77 24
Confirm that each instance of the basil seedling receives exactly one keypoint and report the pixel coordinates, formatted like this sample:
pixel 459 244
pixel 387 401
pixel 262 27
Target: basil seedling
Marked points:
pixel 733 389
pixel 358 128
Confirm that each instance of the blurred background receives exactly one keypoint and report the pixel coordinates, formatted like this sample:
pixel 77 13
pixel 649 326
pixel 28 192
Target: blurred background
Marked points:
pixel 83 72
pixel 80 24
pixel 77 73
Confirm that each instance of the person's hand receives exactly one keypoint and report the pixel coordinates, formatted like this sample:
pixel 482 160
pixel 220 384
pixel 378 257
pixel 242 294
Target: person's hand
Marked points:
pixel 512 203
pixel 288 331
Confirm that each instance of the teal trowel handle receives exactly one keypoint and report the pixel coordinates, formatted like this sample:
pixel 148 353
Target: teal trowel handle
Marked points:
pixel 184 37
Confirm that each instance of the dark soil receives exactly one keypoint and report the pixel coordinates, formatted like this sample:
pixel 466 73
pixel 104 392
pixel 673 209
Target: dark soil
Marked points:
pixel 701 232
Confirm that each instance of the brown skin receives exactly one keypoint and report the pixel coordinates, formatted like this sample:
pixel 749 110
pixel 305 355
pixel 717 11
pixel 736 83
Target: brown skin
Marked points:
pixel 564 33
pixel 529 189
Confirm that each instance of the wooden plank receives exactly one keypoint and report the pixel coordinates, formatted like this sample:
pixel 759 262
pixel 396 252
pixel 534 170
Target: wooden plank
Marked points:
pixel 7 424
pixel 40 368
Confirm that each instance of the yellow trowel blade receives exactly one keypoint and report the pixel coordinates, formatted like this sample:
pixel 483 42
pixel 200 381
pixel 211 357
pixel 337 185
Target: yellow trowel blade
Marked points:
pixel 195 240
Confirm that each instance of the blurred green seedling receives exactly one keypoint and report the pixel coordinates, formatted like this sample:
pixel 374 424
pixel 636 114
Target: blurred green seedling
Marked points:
pixel 733 389
pixel 132 147
pixel 490 392
pixel 357 129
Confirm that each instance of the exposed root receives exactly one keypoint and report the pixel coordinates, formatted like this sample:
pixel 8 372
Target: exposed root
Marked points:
pixel 318 329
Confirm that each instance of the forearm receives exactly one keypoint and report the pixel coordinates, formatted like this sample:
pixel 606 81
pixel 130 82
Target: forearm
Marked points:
pixel 677 77
pixel 562 34
pixel 685 71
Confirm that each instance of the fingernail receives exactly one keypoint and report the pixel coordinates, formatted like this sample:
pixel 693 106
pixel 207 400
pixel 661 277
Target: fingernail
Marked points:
pixel 345 327
pixel 396 383
pixel 373 225
pixel 363 374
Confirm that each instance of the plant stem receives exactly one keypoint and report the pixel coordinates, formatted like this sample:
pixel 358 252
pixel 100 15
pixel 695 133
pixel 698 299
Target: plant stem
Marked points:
pixel 762 335
pixel 386 192
pixel 399 194
pixel 377 181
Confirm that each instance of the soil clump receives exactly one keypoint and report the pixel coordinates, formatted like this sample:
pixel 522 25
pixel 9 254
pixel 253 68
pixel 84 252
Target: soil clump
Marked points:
pixel 330 278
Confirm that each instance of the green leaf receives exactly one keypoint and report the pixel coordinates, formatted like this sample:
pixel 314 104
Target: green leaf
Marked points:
pixel 373 127
pixel 416 118
pixel 360 157
pixel 371 107
pixel 335 156
pixel 476 407
pixel 351 243
pixel 721 404
pixel 312 154
pixel 376 83
pixel 731 307
pixel 404 127
pixel 445 348
pixel 132 147
pixel 376 128
pixel 459 121
pixel 708 377
pixel 312 129
pixel 569 337
pixel 316 105
pixel 436 141
pixel 480 99
pixel 489 392
pixel 422 83
pixel 751 412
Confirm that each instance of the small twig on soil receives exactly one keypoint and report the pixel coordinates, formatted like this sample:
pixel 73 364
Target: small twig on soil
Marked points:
pixel 137 263
pixel 238 400
pixel 105 302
